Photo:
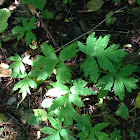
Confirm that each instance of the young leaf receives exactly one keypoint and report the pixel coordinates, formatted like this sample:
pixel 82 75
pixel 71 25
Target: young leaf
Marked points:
pixel 27 27
pixel 123 111
pixel 69 52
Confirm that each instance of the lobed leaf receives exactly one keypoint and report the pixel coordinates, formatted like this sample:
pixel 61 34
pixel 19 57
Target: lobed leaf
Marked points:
pixel 69 51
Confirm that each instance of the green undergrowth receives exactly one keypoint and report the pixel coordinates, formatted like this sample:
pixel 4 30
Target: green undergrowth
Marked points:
pixel 102 67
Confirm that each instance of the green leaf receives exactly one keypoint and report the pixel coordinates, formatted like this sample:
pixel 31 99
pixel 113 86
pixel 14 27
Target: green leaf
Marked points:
pixel 123 111
pixel 96 133
pixel 75 99
pixel 90 68
pixel 34 120
pixel 65 134
pixel 85 126
pixel 138 2
pixel 48 130
pixel 41 114
pixel 120 80
pixel 69 52
pixel 17 66
pixel 44 65
pixel 55 123
pixel 47 14
pixel 24 85
pixel 4 15
pixel 119 88
pixel 94 5
pixel 55 134
pixel 91 42
pixel 115 135
pixel 63 74
pixel 58 90
pixel 29 37
pixel 106 82
pixel 26 29
pixel 106 56
pixel 79 88
pixel 67 112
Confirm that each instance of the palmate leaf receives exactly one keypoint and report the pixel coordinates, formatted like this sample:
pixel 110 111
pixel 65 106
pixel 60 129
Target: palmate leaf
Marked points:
pixel 95 132
pixel 26 29
pixel 44 65
pixel 58 133
pixel 84 126
pixel 89 132
pixel 120 80
pixel 67 112
pixel 17 66
pixel 24 86
pixel 97 48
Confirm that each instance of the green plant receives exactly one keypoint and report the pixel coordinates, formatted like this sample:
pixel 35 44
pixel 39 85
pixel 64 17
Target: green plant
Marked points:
pixel 26 29
pixel 104 68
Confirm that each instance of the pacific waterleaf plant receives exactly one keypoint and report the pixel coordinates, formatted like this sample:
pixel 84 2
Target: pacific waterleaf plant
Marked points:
pixel 45 65
pixel 106 56
pixel 88 132
pixel 25 30
pixel 58 132
pixel 119 80
pixel 69 98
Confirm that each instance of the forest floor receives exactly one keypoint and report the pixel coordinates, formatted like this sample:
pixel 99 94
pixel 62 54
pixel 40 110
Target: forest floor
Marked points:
pixel 71 21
